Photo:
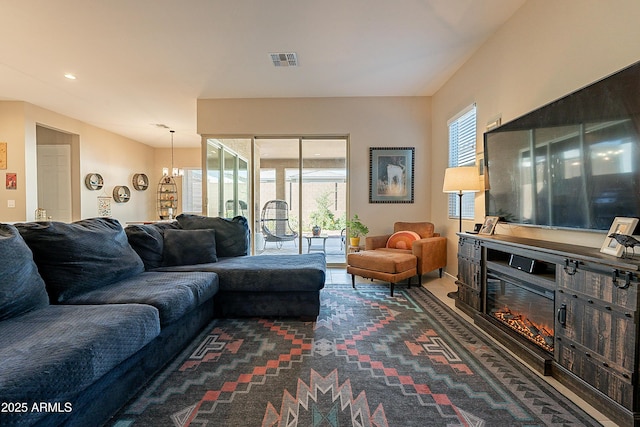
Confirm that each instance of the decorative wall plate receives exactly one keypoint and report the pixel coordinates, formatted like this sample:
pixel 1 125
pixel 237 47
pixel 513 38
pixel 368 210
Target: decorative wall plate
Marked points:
pixel 93 181
pixel 121 193
pixel 140 181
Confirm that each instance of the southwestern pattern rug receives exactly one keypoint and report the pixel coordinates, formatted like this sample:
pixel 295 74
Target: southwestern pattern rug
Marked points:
pixel 369 360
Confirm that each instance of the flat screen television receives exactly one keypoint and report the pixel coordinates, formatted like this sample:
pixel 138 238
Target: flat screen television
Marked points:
pixel 574 163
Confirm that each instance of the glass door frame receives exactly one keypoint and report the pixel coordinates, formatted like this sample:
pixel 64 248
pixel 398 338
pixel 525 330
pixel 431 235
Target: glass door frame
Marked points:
pixel 224 153
pixel 253 181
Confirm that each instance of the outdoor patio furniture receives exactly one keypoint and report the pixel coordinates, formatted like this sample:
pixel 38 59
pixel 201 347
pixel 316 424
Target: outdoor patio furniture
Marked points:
pixel 274 222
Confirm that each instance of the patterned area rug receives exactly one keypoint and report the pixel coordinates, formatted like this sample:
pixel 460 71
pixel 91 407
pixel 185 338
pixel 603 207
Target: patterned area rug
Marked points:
pixel 369 360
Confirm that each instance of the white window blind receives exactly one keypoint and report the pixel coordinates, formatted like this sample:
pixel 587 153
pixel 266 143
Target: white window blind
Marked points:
pixel 192 191
pixel 462 152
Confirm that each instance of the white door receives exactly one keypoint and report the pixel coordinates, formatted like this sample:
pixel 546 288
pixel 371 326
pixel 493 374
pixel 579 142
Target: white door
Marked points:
pixel 54 181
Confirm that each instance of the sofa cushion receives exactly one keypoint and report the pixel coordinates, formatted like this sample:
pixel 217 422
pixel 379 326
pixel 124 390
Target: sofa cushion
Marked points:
pixel 81 256
pixel 148 241
pixel 21 287
pixel 232 235
pixel 173 294
pixel 187 247
pixel 383 260
pixel 402 240
pixel 54 353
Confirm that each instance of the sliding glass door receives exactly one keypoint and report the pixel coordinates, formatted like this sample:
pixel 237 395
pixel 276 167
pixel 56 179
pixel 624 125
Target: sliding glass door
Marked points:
pixel 294 198
pixel 309 176
pixel 227 171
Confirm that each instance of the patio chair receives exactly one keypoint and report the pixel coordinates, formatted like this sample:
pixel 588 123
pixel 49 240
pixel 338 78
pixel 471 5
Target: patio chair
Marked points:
pixel 274 222
pixel 230 208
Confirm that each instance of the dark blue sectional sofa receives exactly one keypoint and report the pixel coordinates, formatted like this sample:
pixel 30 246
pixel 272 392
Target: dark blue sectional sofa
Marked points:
pixel 90 312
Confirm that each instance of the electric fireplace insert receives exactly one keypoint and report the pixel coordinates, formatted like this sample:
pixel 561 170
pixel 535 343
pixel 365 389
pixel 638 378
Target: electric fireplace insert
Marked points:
pixel 524 308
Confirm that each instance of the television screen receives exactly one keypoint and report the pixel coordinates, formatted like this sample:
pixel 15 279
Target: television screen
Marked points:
pixel 574 163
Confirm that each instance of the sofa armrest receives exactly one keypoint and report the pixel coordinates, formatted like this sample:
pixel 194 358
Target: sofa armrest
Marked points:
pixel 375 242
pixel 431 253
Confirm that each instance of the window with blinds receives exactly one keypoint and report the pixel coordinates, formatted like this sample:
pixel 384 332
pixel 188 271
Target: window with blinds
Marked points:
pixel 462 152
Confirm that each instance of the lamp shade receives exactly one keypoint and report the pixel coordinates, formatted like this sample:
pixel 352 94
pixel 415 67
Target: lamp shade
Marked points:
pixel 463 179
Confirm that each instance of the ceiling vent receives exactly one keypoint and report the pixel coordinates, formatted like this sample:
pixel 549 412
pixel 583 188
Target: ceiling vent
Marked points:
pixel 284 59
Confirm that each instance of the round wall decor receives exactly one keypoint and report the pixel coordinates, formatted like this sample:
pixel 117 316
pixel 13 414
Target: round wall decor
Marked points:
pixel 140 181
pixel 121 193
pixel 93 181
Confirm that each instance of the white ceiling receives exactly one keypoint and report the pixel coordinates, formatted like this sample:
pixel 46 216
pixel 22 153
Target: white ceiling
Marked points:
pixel 140 63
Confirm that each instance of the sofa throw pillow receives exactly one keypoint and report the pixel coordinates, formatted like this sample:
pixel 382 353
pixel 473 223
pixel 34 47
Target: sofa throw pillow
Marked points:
pixel 148 241
pixel 232 235
pixel 21 287
pixel 189 247
pixel 402 240
pixel 77 257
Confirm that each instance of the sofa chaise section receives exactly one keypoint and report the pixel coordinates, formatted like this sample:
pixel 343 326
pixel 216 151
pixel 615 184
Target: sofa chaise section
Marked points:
pixel 265 285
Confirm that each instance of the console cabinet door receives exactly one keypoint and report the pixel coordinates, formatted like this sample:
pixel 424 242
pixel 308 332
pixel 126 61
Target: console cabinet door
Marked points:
pixel 469 272
pixel 596 330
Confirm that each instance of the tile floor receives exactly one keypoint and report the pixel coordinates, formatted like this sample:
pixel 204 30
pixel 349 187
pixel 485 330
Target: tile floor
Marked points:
pixel 440 287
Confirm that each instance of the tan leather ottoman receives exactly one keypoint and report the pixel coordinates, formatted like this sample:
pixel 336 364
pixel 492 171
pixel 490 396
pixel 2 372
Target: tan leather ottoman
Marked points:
pixel 382 265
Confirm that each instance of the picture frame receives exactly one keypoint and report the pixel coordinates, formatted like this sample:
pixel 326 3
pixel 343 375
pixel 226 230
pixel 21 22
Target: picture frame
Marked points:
pixel 11 181
pixel 620 225
pixel 489 225
pixel 391 174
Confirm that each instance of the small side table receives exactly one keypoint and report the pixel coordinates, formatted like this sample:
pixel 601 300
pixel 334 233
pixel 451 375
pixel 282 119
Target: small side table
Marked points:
pixel 310 238
pixel 354 249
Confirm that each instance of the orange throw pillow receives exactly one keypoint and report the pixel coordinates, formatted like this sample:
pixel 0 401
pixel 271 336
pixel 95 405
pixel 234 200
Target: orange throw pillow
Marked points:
pixel 402 240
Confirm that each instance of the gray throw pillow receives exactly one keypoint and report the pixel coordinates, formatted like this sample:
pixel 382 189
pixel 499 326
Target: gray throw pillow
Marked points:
pixel 81 256
pixel 189 247
pixel 21 287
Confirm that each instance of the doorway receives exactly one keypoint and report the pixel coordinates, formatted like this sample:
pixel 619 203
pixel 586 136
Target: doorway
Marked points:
pixel 56 153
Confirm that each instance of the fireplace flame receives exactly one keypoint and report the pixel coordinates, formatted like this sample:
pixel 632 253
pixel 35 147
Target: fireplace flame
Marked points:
pixel 541 335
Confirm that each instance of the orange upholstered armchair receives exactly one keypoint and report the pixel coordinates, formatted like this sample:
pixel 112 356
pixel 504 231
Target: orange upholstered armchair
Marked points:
pixel 430 249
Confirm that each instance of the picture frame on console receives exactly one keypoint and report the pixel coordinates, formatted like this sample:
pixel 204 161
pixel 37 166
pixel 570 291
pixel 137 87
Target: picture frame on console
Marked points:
pixel 489 225
pixel 620 225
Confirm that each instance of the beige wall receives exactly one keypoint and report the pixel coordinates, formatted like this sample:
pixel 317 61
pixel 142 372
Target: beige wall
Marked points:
pixel 12 131
pixel 116 158
pixel 369 122
pixel 546 50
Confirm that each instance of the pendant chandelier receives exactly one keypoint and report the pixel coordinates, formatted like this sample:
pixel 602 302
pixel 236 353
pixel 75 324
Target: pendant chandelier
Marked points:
pixel 174 171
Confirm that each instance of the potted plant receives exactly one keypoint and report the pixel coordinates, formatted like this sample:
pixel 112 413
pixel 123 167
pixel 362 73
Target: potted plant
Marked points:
pixel 356 229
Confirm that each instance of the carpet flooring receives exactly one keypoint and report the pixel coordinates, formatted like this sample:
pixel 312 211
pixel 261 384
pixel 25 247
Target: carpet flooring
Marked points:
pixel 369 360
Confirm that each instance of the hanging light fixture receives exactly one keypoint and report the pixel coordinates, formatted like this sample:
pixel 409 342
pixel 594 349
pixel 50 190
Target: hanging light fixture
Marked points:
pixel 174 171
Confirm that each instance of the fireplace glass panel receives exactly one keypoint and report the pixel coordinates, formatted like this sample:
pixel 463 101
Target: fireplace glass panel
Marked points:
pixel 525 308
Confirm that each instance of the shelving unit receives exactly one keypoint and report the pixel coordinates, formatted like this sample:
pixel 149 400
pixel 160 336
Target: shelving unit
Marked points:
pixel 167 200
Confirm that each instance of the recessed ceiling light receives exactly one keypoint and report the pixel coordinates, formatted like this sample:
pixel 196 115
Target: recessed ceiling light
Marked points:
pixel 70 76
